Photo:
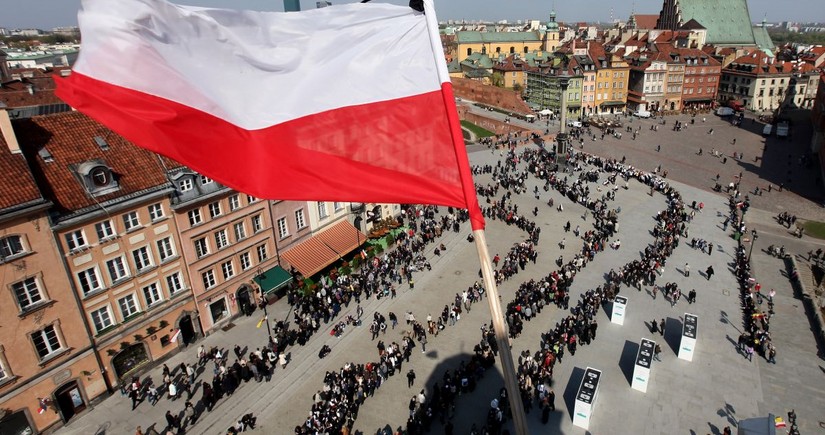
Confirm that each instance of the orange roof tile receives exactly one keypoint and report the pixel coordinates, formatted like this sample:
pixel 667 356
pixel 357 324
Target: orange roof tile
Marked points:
pixel 18 186
pixel 69 138
pixel 646 21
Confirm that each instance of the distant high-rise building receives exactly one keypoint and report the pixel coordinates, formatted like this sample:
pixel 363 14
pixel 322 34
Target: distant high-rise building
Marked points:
pixel 323 4
pixel 292 5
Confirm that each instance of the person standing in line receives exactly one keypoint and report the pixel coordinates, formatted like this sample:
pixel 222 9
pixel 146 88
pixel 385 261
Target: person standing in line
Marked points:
pixel 709 271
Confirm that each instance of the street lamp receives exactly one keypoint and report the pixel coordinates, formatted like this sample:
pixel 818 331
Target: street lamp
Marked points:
pixel 754 236
pixel 261 276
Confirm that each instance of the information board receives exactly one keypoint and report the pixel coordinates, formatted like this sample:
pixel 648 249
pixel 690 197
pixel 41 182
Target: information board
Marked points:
pixel 689 334
pixel 619 307
pixel 586 397
pixel 641 372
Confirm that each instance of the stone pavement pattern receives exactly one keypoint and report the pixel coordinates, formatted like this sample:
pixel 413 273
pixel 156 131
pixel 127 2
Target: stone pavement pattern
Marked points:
pixel 702 396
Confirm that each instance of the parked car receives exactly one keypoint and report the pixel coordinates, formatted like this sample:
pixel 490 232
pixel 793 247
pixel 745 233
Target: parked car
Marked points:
pixel 725 111
pixel 574 124
pixel 642 114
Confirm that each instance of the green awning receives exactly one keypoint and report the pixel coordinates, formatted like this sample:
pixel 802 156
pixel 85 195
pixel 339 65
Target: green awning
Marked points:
pixel 613 103
pixel 272 279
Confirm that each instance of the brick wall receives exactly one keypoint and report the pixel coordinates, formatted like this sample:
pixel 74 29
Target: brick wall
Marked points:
pixel 490 95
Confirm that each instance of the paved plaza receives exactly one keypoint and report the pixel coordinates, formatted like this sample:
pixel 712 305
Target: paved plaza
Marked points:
pixel 717 388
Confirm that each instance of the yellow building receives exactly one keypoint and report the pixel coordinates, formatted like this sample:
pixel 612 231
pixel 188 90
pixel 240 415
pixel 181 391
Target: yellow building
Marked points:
pixel 495 43
pixel 551 34
pixel 612 73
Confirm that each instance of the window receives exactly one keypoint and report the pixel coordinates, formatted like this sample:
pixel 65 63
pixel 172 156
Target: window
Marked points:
pixel 195 217
pixel 185 185
pixel 11 246
pixel 118 270
pixel 246 262
pixel 27 292
pixel 3 372
pixel 262 254
pixel 257 224
pixel 46 342
pixel 234 202
pixel 101 318
pixel 128 306
pixel 142 258
pixel 250 199
pixel 201 247
pixel 228 270
pixel 89 281
pixel 209 279
pixel 174 283
pixel 322 210
pixel 75 240
pixel 155 212
pixel 130 220
pixel 215 209
pixel 206 180
pixel 221 241
pixel 240 231
pixel 283 230
pixel 152 294
pixel 105 230
pixel 299 219
pixel 165 249
pixel 338 206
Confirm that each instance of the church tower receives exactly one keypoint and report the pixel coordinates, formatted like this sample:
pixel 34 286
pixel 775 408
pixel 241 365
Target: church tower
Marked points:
pixel 551 33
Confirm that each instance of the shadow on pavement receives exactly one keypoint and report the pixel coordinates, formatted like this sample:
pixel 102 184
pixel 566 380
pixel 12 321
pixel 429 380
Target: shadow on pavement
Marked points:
pixel 628 360
pixel 572 389
pixel 673 334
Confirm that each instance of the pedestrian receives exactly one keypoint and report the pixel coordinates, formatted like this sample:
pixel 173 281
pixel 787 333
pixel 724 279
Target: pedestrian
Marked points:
pixel 237 351
pixel 710 247
pixel 171 421
pixel 687 269
pixel 656 352
pixel 662 327
pixel 772 354
pixel 749 351
pixel 410 378
pixel 134 394
pixel 709 271
pixel 189 412
pixel 173 391
pixel 692 296
pixel 282 360
pixel 655 290
pixel 138 430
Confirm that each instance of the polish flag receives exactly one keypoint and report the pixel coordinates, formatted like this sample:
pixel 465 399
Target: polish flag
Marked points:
pixel 346 103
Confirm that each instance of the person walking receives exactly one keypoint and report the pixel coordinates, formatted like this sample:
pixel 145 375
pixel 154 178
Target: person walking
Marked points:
pixel 662 327
pixel 410 378
pixel 687 270
pixel 171 421
pixel 692 296
pixel 656 352
pixel 654 326
pixel 709 271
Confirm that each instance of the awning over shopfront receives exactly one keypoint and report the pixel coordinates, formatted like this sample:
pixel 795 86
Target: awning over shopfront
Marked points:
pixel 272 279
pixel 699 99
pixel 323 249
pixel 613 103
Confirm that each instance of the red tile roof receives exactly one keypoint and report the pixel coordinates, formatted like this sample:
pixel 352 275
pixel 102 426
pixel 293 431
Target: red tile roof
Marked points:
pixel 69 138
pixel 18 186
pixel 15 93
pixel 646 21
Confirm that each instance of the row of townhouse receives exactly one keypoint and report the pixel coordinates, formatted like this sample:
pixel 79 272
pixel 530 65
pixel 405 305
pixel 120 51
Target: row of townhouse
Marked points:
pixel 113 258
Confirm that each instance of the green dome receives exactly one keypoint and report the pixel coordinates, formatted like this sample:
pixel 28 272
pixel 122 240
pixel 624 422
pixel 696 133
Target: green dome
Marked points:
pixel 552 25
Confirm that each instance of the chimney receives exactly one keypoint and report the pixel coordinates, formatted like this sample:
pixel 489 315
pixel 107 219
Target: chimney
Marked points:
pixel 7 131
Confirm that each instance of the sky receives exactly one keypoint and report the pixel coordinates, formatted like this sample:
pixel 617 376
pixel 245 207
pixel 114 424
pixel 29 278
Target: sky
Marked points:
pixel 47 14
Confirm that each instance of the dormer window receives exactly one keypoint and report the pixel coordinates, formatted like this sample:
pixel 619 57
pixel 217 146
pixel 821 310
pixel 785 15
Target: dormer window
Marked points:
pixel 100 176
pixel 97 177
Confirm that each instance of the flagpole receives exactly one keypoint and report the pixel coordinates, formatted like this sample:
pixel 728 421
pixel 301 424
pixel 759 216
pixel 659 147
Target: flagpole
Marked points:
pixel 477 220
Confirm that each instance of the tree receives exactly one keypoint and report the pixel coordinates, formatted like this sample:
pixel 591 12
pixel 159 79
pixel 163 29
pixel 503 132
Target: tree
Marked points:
pixel 498 79
pixel 517 87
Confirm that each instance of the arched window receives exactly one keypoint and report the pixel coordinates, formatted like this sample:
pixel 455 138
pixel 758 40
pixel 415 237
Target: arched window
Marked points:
pixel 526 50
pixel 498 50
pixel 512 50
